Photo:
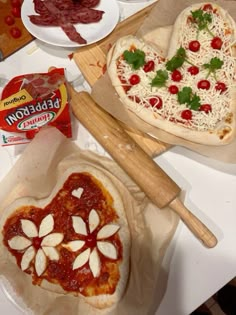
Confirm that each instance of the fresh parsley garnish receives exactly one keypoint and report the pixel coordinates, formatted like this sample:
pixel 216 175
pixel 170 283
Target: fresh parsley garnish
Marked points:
pixel 214 64
pixel 202 19
pixel 186 96
pixel 135 58
pixel 160 79
pixel 177 60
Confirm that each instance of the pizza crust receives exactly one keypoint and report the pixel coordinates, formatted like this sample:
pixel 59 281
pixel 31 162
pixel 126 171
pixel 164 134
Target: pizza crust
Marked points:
pixel 101 301
pixel 174 42
pixel 222 134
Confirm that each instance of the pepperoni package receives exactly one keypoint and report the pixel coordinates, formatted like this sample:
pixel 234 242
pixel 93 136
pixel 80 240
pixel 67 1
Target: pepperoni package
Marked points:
pixel 32 101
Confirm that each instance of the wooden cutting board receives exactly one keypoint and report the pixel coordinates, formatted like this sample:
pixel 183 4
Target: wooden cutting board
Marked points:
pixel 8 44
pixel 91 61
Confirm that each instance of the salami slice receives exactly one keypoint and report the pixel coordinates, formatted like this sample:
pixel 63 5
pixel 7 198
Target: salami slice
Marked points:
pixel 89 3
pixel 84 15
pixel 65 14
pixel 40 8
pixel 72 33
pixel 43 20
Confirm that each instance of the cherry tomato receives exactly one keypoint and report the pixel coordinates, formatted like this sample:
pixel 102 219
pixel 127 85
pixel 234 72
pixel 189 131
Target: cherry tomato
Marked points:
pixel 9 20
pixel 221 86
pixel 134 79
pixel 173 89
pixel 15 32
pixel 205 108
pixel 16 3
pixel 204 85
pixel 16 11
pixel 136 99
pixel 216 43
pixel 189 20
pixel 194 45
pixel 176 76
pixel 193 70
pixel 156 102
pixel 149 66
pixel 186 114
pixel 207 7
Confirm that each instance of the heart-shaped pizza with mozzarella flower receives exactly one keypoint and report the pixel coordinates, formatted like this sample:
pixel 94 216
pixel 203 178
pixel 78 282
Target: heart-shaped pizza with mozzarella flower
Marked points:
pixel 76 241
pixel 192 92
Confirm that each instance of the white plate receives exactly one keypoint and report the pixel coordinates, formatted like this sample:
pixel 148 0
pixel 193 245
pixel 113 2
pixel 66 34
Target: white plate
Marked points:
pixel 92 32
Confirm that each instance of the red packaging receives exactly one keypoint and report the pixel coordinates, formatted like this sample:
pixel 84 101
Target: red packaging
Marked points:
pixel 32 101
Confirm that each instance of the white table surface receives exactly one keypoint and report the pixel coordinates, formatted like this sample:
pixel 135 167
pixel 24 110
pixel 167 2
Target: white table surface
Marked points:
pixel 194 273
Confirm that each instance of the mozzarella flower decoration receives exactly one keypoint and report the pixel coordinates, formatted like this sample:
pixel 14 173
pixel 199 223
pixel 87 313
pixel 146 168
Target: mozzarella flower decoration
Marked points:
pixel 38 244
pixel 96 243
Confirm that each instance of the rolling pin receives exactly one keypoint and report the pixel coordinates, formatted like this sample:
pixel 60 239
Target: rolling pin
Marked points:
pixel 153 181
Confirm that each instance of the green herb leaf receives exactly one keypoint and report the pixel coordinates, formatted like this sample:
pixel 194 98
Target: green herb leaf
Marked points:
pixel 181 53
pixel 160 79
pixel 215 64
pixel 135 58
pixel 186 96
pixel 177 60
pixel 195 102
pixel 202 19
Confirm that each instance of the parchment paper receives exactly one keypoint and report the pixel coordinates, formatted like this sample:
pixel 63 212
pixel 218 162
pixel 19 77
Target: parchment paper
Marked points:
pixel 156 30
pixel 34 175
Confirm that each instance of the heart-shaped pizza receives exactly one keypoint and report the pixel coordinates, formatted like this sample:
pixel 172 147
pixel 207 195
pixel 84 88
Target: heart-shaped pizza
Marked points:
pixel 76 241
pixel 192 92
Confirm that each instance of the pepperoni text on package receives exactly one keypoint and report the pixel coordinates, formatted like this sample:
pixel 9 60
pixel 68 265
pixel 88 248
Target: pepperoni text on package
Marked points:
pixel 32 101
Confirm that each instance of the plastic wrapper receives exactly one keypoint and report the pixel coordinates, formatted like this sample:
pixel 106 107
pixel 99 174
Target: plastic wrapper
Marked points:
pixel 32 101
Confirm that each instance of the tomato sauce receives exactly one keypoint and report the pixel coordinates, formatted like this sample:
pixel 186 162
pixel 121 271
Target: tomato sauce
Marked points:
pixel 62 207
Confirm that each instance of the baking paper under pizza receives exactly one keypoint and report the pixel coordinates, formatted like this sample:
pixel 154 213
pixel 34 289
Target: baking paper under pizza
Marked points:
pixel 191 92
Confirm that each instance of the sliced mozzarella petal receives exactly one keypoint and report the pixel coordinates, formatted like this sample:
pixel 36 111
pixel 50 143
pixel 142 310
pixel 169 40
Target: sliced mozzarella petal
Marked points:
pixel 74 245
pixel 40 262
pixel 107 249
pixel 81 259
pixel 79 225
pixel 107 231
pixel 52 239
pixel 51 252
pixel 93 220
pixel 95 263
pixel 27 258
pixel 29 228
pixel 46 225
pixel 77 192
pixel 19 242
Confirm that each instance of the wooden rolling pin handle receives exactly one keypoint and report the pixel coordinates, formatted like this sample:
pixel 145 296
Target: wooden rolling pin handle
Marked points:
pixel 194 224
pixel 157 185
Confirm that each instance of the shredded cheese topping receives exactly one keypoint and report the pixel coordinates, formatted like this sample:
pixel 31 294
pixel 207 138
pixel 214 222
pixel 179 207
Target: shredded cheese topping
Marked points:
pixel 171 109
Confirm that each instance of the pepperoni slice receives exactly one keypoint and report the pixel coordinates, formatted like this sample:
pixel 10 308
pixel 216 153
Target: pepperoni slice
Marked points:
pixel 38 82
